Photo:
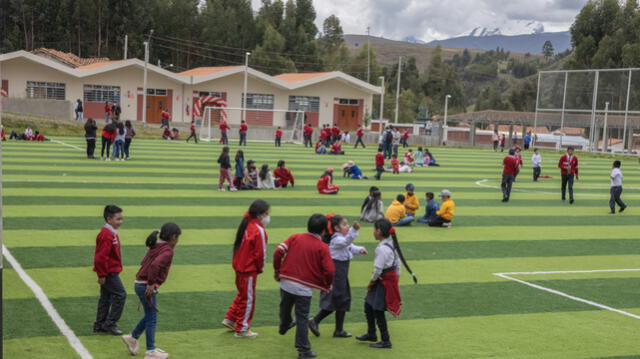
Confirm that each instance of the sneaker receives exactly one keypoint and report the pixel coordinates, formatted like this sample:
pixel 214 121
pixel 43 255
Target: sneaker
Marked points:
pixel 246 334
pixel 229 324
pixel 233 189
pixel 108 159
pixel 342 334
pixel 622 209
pixel 131 343
pixel 221 189
pixel 571 201
pixel 156 354
pixel 103 158
pixel 447 225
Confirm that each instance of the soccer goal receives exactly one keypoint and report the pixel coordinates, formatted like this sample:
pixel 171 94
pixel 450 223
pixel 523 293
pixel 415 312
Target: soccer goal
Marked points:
pixel 212 116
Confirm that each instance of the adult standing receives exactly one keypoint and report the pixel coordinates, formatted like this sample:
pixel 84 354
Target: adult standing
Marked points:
pixel 428 127
pixel 387 141
pixel 117 110
pixel 359 135
pixel 79 110
pixel 503 141
pixel 223 132
pixel 243 133
pixel 568 165
pixel 302 263
pixel 527 141
pixel 616 188
pixel 307 132
pixel 131 133
pixel 510 165
pixel 495 138
pixel 90 129
pixel 397 137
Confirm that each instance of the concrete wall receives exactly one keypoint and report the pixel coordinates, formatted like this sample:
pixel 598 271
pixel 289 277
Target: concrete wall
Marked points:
pixel 38 107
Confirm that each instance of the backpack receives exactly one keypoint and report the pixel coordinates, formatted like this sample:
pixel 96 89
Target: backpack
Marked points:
pixel 388 137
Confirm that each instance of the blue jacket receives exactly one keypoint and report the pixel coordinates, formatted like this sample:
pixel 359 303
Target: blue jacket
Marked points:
pixel 355 172
pixel 240 168
pixel 432 208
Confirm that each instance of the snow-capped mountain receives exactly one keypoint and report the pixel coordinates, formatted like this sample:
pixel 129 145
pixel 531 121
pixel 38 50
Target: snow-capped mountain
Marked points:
pixel 517 27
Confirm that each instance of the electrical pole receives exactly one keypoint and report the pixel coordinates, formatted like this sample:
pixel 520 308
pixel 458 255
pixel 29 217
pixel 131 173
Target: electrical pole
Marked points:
pixel 368 57
pixel 381 101
pixel 126 41
pixel 445 128
pixel 144 87
pixel 398 89
pixel 244 98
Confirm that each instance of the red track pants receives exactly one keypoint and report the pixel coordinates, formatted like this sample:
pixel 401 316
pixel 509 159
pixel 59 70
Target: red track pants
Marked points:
pixel 243 306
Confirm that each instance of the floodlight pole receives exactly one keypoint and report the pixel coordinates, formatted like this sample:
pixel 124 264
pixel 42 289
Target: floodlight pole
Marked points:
pixel 244 98
pixel 535 116
pixel 605 140
pixel 381 101
pixel 594 106
pixel 626 117
pixel 144 87
pixel 564 100
pixel 398 89
pixel 126 42
pixel 445 128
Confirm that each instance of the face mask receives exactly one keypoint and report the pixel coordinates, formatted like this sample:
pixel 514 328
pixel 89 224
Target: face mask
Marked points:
pixel 265 220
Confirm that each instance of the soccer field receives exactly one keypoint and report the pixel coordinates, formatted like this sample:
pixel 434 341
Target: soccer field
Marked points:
pixel 53 199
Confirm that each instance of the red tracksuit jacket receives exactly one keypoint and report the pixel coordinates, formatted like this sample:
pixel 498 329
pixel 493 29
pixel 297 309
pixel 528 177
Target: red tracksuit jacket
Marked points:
pixel 304 259
pixel 252 254
pixel 283 176
pixel 278 133
pixel 510 165
pixel 107 258
pixel 154 268
pixel 360 132
pixel 379 159
pixel 308 131
pixel 243 128
pixel 323 183
pixel 223 126
pixel 566 162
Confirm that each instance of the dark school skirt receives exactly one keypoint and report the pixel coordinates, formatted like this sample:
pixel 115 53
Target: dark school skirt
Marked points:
pixel 340 297
pixel 376 298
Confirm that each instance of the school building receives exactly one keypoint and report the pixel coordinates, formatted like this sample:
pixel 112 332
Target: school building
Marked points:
pixel 325 97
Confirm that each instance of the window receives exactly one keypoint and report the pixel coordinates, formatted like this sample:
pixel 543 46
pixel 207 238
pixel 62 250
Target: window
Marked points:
pixel 304 103
pixel 157 92
pixel 48 90
pixel 101 93
pixel 259 101
pixel 210 93
pixel 347 101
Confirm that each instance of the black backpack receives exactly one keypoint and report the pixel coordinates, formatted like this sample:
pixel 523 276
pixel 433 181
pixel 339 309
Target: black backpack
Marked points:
pixel 388 137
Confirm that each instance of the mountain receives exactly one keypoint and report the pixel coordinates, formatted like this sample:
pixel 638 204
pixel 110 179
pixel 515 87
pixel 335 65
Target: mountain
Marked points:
pixel 490 39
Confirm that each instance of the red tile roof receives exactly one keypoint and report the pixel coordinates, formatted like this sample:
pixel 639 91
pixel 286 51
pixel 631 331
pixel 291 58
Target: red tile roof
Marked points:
pixel 68 59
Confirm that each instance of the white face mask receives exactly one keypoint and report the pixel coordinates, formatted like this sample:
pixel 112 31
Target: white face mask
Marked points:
pixel 265 220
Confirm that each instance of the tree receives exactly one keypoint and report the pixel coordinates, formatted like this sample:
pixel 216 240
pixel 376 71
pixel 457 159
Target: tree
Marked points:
pixel 547 49
pixel 266 55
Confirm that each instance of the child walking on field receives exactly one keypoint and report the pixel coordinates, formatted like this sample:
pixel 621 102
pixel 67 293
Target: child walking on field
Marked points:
pixel 225 170
pixel 342 249
pixel 154 271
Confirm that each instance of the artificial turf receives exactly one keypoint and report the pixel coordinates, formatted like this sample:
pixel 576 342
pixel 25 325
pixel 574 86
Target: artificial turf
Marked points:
pixel 53 198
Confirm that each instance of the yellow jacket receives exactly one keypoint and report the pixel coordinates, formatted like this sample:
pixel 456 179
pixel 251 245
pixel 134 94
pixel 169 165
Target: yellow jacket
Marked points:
pixel 447 208
pixel 411 203
pixel 395 212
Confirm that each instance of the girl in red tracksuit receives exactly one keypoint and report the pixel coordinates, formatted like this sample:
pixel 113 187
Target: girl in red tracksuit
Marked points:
pixel 325 185
pixel 249 258
pixel 108 135
pixel 278 137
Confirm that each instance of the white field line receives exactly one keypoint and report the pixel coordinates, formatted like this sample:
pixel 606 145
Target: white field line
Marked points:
pixel 568 296
pixel 66 144
pixel 107 182
pixel 482 183
pixel 48 307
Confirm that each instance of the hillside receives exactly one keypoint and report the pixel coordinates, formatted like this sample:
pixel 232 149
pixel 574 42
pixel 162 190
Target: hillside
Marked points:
pixel 517 43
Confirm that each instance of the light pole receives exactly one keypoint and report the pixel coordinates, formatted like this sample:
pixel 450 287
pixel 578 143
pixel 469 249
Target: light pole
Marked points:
pixel 444 125
pixel 398 89
pixel 368 56
pixel 144 86
pixel 381 101
pixel 605 135
pixel 244 98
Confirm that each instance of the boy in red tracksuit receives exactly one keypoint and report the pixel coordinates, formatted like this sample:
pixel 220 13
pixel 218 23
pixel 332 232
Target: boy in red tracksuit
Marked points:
pixel 243 133
pixel 279 137
pixel 335 131
pixel 107 263
pixel 223 132
pixel 568 165
pixel 405 139
pixel 283 175
pixel 325 183
pixel 302 263
pixel 359 134
pixel 249 258
pixel 379 163
pixel 193 135
pixel 510 168
pixel 307 132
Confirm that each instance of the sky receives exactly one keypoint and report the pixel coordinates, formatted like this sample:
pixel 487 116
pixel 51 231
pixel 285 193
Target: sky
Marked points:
pixel 428 20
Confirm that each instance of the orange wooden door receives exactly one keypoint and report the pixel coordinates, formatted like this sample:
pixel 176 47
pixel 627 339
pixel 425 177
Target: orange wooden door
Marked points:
pixel 155 104
pixel 347 117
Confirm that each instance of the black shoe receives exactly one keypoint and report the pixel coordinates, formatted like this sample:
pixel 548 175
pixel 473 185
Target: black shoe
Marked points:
pixel 505 200
pixel 113 329
pixel 367 338
pixel 284 331
pixel 97 329
pixel 612 212
pixel 309 354
pixel 342 334
pixel 571 201
pixel 622 209
pixel 313 327
pixel 381 345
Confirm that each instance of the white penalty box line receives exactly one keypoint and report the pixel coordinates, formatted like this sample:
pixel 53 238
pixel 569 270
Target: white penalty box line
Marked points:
pixel 509 276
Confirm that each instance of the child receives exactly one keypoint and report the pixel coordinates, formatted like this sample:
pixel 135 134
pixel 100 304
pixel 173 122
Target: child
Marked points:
pixel 372 189
pixel 495 139
pixel 223 132
pixel 321 149
pixel 397 213
pixel 283 175
pixel 379 163
pixel 225 174
pixel 193 135
pixel 250 176
pixel 131 133
pixel 265 179
pixel 90 128
pixel 39 137
pixel 536 162
pixel 243 133
pixel 616 188
pixel 444 215
pixel 395 164
pixel 325 183
pixel 279 137
pixel 249 258
pixel 419 157
pixel 154 271
pixel 431 209
pixel 351 169
pixel 308 133
pixel 342 250
pixel 405 139
pixel 503 140
pixel 359 135
pixel 107 263
pixel 239 167
pixel 108 134
pixel 411 201
pixel 175 134
pixel 408 158
pixel 336 148
pixel 166 134
pixel 404 168
pixel 118 144
pixel 372 210
pixel 520 163
pixel 383 291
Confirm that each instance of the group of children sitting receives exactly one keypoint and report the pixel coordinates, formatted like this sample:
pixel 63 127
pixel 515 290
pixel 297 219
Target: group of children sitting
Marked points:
pixel 247 176
pixel 173 134
pixel 403 209
pixel 421 158
pixel 27 135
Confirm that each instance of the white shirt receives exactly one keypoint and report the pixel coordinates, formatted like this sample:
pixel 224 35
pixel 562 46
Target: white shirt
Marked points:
pixel 342 247
pixel 120 137
pixel 536 160
pixel 616 177
pixel 385 258
pixel 428 125
pixel 267 183
pixel 396 137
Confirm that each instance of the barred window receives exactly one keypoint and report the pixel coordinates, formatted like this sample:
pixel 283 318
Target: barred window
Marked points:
pixel 157 92
pixel 259 101
pixel 348 101
pixel 210 93
pixel 304 103
pixel 47 90
pixel 101 93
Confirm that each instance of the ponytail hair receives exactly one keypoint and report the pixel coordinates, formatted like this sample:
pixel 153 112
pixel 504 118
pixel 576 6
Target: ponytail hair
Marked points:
pixel 165 233
pixel 387 229
pixel 333 221
pixel 257 208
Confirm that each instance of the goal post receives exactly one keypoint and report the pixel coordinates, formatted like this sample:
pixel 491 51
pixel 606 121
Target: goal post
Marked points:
pixel 213 115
